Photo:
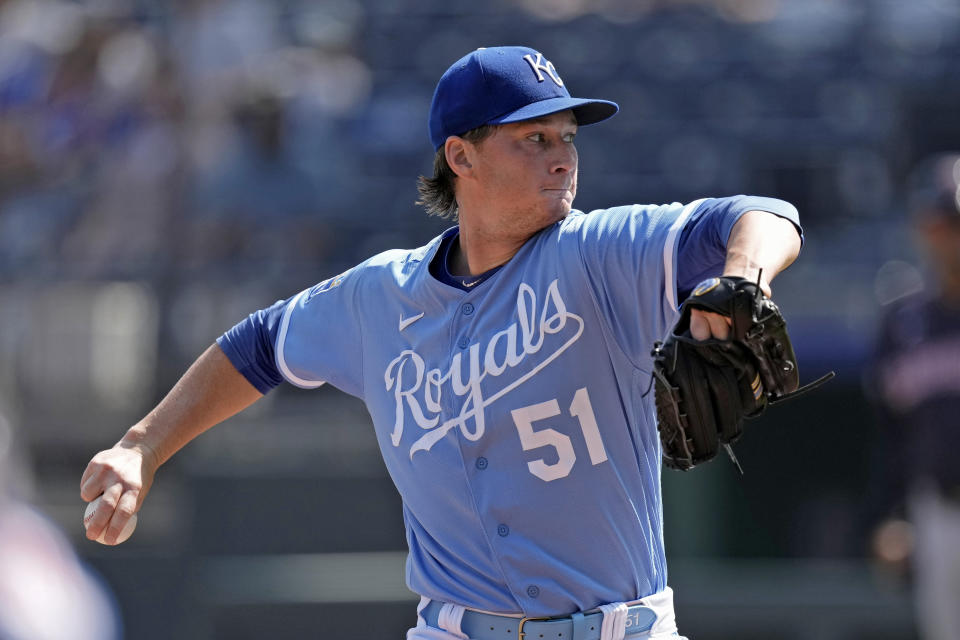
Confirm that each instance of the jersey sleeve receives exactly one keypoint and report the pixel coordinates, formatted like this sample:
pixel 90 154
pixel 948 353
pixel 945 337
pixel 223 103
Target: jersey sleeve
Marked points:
pixel 641 259
pixel 309 339
pixel 249 345
pixel 629 257
pixel 702 248
pixel 319 339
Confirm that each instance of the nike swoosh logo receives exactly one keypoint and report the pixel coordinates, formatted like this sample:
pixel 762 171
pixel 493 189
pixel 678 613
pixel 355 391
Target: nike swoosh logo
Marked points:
pixel 406 322
pixel 470 284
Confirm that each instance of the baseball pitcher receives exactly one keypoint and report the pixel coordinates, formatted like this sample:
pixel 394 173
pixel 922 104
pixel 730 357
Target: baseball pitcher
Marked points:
pixel 507 366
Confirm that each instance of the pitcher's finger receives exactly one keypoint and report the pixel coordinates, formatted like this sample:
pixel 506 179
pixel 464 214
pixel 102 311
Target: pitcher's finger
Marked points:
pixel 101 517
pixel 719 326
pixel 699 326
pixel 91 484
pixel 126 507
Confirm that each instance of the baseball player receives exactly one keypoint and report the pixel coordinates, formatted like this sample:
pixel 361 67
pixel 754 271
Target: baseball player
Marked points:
pixel 505 365
pixel 917 394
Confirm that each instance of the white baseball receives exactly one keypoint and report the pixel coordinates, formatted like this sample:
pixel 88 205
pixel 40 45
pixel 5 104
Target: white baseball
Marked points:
pixel 125 533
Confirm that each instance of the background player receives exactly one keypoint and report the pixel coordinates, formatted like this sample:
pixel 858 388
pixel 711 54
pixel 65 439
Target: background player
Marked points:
pixel 917 393
pixel 504 365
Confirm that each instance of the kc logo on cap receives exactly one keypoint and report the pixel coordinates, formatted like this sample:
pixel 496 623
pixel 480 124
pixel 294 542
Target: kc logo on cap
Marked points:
pixel 495 86
pixel 538 66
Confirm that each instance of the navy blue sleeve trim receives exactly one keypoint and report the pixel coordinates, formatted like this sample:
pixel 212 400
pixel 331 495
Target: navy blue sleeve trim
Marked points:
pixel 702 249
pixel 249 345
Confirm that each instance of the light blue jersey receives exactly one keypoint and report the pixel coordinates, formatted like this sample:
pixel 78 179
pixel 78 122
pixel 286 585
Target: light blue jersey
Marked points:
pixel 513 415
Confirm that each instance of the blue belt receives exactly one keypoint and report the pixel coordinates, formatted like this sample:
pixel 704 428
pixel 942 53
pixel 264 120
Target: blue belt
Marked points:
pixel 577 626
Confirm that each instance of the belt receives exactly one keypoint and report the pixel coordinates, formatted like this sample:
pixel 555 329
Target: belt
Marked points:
pixel 578 626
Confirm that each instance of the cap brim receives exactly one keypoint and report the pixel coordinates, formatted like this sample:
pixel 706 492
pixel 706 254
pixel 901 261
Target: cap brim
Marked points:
pixel 585 110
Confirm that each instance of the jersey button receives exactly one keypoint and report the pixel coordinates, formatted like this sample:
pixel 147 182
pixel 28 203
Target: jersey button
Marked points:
pixel 482 463
pixel 467 309
pixel 463 342
pixel 533 591
pixel 503 530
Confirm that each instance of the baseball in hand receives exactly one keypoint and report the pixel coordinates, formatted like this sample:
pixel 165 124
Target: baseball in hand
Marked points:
pixel 125 533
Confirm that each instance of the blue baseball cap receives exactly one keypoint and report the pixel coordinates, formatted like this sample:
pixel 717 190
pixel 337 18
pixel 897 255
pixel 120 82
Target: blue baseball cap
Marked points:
pixel 498 85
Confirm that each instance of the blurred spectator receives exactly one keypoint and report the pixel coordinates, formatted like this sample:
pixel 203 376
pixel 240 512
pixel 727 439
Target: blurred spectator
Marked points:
pixel 254 204
pixel 917 390
pixel 133 181
pixel 45 591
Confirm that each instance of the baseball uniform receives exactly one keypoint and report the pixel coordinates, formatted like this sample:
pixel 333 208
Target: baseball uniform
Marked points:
pixel 511 408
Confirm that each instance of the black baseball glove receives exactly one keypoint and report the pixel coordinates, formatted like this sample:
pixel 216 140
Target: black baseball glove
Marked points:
pixel 705 389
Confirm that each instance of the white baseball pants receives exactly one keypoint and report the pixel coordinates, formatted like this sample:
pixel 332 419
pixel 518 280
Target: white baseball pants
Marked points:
pixel 936 558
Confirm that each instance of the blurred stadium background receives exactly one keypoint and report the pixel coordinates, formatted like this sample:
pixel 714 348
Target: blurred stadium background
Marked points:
pixel 168 167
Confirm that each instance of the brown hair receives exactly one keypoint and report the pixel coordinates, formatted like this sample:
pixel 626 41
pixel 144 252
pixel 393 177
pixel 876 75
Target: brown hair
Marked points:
pixel 438 194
